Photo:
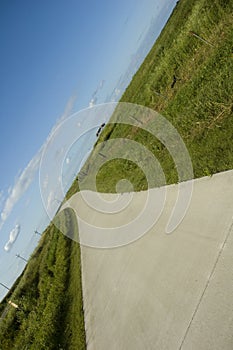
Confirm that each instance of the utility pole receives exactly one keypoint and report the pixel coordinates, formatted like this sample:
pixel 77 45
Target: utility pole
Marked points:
pixel 37 233
pixel 22 258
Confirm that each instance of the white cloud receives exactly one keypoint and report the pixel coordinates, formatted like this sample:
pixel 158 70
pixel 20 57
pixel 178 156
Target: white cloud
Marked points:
pixel 115 95
pixel 67 160
pixel 117 92
pixel 50 201
pixel 1 197
pixel 67 112
pixel 101 84
pixel 25 179
pixel 46 182
pixel 92 102
pixel 28 201
pixel 99 87
pixel 20 187
pixel 60 153
pixel 12 237
pixel 95 93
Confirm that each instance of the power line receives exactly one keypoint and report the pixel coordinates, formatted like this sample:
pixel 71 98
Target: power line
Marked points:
pixel 21 257
pixel 4 286
pixel 37 233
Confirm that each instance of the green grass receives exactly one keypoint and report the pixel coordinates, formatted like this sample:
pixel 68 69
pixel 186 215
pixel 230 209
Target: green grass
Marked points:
pixel 49 295
pixel 200 107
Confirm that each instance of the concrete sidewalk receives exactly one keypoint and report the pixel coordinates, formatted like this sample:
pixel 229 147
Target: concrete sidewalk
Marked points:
pixel 167 292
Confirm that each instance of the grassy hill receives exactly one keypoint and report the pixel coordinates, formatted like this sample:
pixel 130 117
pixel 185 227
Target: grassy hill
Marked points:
pixel 49 293
pixel 199 105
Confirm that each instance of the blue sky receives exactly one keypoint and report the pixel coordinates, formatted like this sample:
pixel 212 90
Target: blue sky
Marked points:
pixel 57 57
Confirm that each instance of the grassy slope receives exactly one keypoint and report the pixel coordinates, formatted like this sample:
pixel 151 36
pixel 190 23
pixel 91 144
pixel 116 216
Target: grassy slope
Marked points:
pixel 49 294
pixel 200 107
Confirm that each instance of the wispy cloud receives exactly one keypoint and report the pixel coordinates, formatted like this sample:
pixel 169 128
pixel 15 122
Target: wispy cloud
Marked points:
pixel 52 202
pixel 1 197
pixel 117 92
pixel 92 102
pixel 101 84
pixel 26 177
pixel 45 182
pixel 94 97
pixel 20 187
pixel 115 95
pixel 12 237
pixel 67 111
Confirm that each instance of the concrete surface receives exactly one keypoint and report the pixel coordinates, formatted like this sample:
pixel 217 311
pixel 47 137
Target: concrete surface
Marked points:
pixel 163 291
